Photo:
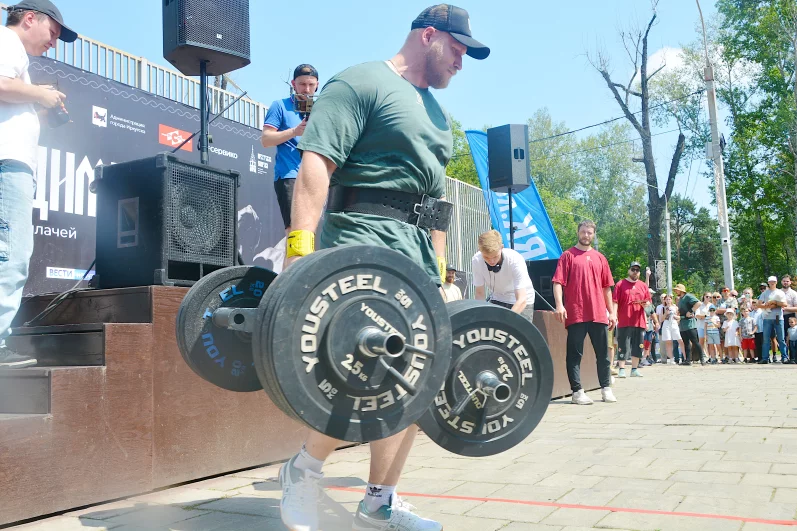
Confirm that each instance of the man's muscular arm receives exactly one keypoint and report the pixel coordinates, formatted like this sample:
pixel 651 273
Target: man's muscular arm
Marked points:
pixel 310 193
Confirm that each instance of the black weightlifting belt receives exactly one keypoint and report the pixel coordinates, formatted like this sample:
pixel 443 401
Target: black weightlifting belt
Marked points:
pixel 420 210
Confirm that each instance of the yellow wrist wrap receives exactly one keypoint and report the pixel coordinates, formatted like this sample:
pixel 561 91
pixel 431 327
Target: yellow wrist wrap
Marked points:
pixel 300 243
pixel 441 266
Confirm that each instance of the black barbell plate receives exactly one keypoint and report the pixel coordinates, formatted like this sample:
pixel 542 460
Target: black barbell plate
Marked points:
pixel 308 339
pixel 490 338
pixel 218 355
pixel 268 305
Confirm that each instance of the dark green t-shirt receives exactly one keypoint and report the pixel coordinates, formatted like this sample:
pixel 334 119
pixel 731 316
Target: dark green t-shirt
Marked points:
pixel 381 132
pixel 685 305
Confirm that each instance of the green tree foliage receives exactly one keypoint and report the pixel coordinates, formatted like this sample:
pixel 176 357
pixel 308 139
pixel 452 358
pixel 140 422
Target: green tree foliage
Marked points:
pixel 461 166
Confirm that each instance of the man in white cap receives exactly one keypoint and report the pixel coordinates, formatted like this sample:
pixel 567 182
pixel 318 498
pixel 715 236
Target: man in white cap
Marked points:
pixel 772 301
pixel 32 27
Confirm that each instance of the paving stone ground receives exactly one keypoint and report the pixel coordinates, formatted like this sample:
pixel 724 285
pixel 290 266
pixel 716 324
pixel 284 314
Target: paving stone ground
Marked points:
pixel 685 448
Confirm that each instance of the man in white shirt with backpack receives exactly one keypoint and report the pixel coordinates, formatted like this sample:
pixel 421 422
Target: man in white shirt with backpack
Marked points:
pixel 504 273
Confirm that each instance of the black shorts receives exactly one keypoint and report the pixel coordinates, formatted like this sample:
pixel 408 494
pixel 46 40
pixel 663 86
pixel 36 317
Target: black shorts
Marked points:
pixel 284 190
pixel 629 342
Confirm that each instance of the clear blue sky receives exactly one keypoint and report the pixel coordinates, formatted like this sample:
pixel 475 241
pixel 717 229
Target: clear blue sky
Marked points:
pixel 538 51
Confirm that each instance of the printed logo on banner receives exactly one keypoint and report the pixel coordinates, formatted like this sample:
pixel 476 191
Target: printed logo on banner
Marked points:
pixel 172 137
pixel 99 116
pixel 223 152
pixel 66 273
pixel 259 164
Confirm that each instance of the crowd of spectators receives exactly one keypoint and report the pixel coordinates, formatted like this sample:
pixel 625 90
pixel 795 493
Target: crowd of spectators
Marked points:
pixel 729 327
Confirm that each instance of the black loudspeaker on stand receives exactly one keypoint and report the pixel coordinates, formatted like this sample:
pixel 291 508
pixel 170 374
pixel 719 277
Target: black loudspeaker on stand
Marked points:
pixel 509 169
pixel 212 31
pixel 163 221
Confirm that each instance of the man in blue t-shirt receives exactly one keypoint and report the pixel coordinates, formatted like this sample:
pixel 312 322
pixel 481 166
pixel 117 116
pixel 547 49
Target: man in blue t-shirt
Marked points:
pixel 283 127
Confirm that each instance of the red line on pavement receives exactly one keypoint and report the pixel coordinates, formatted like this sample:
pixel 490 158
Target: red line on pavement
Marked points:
pixel 588 507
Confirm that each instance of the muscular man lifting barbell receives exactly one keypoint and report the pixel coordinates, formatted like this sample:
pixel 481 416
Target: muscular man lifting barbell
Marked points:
pixel 380 137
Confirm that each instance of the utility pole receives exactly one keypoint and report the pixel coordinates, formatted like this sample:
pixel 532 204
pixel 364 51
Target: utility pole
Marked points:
pixel 669 247
pixel 719 172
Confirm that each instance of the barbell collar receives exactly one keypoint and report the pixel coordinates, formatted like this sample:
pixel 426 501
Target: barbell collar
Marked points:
pixel 236 319
pixel 374 342
pixel 488 383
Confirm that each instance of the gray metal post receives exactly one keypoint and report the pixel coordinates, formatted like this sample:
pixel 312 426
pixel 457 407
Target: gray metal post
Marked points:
pixel 669 247
pixel 719 171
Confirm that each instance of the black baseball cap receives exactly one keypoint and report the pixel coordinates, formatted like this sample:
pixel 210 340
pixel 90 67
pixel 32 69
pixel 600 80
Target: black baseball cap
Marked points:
pixel 453 20
pixel 451 268
pixel 47 8
pixel 305 70
pixel 635 264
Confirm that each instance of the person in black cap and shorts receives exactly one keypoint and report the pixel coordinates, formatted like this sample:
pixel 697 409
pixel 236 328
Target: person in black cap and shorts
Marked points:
pixel 32 27
pixel 283 127
pixel 377 134
pixel 631 296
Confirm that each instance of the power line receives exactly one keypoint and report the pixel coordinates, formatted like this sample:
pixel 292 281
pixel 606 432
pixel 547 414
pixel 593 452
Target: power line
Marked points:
pixel 615 119
pixel 600 147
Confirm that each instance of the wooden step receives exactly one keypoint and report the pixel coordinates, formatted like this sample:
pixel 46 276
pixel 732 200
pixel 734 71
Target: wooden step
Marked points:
pixel 61 345
pixel 125 305
pixel 25 391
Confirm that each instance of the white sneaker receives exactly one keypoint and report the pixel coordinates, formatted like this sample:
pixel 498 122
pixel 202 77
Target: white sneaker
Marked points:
pixel 607 394
pixel 621 374
pixel 397 516
pixel 636 374
pixel 300 494
pixel 581 398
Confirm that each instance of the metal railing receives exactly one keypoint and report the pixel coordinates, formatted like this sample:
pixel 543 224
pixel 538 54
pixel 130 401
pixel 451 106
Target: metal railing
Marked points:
pixel 470 218
pixel 113 63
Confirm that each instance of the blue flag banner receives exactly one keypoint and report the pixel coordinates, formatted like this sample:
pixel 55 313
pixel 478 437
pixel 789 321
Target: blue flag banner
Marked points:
pixel 535 238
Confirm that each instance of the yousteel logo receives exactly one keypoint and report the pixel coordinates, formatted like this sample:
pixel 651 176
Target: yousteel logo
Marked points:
pixel 169 136
pixel 223 152
pixel 99 116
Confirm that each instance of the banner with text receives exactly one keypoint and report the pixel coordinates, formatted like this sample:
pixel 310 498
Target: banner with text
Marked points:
pixel 112 122
pixel 535 238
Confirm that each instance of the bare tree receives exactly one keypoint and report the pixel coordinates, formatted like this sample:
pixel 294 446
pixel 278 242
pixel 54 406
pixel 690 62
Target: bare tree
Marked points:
pixel 635 42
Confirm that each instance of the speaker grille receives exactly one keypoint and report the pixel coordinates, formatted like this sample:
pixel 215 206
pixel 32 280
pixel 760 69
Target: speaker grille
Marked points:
pixel 219 24
pixel 200 225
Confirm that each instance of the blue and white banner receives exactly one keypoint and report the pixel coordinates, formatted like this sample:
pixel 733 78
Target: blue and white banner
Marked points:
pixel 535 238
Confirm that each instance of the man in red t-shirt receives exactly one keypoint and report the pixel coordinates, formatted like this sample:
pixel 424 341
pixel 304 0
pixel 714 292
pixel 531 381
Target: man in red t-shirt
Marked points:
pixel 631 296
pixel 583 275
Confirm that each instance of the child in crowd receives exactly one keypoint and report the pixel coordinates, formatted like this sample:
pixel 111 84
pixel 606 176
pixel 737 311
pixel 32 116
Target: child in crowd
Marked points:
pixel 748 329
pixel 712 324
pixel 732 341
pixel 792 338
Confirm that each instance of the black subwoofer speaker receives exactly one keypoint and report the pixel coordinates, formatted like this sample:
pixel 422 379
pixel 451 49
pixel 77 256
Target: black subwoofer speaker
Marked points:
pixel 163 221
pixel 541 273
pixel 216 31
pixel 507 150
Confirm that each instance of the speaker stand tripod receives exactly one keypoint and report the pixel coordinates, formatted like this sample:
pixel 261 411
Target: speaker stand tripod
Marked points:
pixel 511 222
pixel 203 112
pixel 204 122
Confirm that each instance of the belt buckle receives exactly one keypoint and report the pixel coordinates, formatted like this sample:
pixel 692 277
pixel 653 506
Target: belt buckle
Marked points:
pixel 420 209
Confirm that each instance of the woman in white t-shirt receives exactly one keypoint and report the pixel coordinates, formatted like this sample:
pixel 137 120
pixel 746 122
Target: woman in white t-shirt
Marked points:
pixel 700 315
pixel 669 327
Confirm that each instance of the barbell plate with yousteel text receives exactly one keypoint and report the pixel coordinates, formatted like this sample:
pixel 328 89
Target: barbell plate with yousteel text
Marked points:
pixel 217 354
pixel 355 342
pixel 499 384
pixel 267 307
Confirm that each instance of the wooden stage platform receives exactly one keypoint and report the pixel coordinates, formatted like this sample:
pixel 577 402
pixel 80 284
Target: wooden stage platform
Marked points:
pixel 114 411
